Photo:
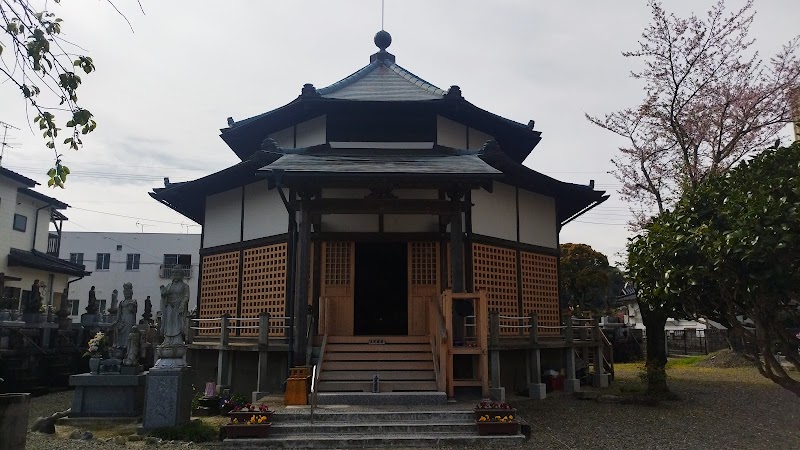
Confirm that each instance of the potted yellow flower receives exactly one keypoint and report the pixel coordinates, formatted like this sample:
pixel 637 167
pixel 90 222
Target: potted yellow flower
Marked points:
pixel 255 427
pixel 488 424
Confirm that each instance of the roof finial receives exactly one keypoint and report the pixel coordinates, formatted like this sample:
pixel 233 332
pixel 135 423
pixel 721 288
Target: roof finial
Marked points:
pixel 383 40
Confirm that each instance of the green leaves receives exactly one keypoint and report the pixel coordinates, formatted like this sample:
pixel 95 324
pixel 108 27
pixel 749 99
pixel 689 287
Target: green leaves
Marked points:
pixel 58 175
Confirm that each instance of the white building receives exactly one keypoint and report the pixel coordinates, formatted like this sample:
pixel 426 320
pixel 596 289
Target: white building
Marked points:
pixel 28 249
pixel 144 259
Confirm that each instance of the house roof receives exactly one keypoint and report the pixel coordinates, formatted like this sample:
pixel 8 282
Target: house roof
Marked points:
pixel 572 199
pixel 188 198
pixel 37 260
pixel 324 161
pixel 17 177
pixel 43 198
pixel 382 80
pixel 380 86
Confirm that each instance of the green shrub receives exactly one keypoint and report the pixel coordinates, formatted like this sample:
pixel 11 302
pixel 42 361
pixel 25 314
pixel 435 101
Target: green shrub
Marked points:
pixel 194 431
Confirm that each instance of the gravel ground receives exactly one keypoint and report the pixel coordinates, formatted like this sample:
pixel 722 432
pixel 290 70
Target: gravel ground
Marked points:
pixel 733 408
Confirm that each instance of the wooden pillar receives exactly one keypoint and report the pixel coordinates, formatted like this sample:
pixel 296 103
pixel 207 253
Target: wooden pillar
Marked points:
pixel 457 242
pixel 300 313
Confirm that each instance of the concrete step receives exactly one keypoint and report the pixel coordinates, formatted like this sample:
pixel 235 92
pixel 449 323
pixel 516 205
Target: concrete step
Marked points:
pixel 348 428
pixel 405 440
pixel 324 416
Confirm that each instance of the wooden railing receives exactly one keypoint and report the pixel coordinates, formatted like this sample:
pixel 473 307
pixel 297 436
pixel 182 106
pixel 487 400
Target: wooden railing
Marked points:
pixel 437 331
pixel 324 314
pixel 224 326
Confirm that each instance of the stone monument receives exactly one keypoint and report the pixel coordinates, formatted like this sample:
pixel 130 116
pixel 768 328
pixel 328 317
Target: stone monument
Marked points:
pixel 126 319
pixel 112 310
pixel 32 307
pixel 91 307
pixel 147 316
pixel 168 398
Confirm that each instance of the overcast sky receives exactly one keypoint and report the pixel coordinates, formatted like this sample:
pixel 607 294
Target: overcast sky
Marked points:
pixel 161 93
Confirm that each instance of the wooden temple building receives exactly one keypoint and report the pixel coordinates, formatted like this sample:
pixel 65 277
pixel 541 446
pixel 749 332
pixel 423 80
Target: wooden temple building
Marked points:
pixel 385 231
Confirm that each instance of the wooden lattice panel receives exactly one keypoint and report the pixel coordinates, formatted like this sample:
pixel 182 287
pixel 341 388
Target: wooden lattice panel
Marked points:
pixel 540 289
pixel 219 289
pixel 424 263
pixel 495 269
pixel 264 287
pixel 337 263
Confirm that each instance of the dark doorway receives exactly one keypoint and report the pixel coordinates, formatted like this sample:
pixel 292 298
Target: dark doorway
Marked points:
pixel 381 291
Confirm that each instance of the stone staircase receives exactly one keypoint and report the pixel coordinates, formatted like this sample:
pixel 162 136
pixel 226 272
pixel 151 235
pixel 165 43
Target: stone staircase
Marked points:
pixel 329 428
pixel 403 366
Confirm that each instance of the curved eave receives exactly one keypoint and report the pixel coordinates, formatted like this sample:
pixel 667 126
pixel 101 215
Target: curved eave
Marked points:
pixel 245 137
pixel 571 199
pixel 189 198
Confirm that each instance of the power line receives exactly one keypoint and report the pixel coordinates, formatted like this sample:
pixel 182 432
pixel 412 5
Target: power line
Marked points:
pixel 129 217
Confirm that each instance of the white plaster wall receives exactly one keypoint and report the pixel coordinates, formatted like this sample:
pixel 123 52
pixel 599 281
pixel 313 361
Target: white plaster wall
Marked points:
pixel 312 132
pixel 223 218
pixel 495 214
pixel 450 134
pixel 477 138
pixel 410 223
pixel 360 223
pixel 284 138
pixel 453 134
pixel 27 206
pixel 537 219
pixel 146 281
pixel 8 204
pixel 264 212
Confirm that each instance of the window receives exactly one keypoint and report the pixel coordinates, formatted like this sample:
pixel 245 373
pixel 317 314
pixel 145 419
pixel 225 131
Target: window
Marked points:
pixel 75 306
pixel 171 260
pixel 76 258
pixel 119 248
pixel 103 261
pixel 20 222
pixel 132 262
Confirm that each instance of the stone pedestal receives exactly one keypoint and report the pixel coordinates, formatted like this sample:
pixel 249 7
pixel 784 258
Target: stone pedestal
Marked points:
pixel 13 420
pixel 107 395
pixel 572 385
pixel 600 380
pixel 537 391
pixel 168 398
pixel 497 394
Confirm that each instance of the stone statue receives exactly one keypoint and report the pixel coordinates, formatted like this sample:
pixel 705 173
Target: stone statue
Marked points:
pixel 91 308
pixel 134 346
pixel 34 303
pixel 113 308
pixel 174 321
pixel 147 316
pixel 126 317
pixel 174 308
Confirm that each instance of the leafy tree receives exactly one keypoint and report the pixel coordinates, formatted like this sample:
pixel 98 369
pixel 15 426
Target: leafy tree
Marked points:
pixel 709 102
pixel 38 61
pixel 730 251
pixel 588 282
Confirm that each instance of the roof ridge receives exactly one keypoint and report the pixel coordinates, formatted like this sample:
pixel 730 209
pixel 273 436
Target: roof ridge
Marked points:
pixel 408 75
pixel 350 79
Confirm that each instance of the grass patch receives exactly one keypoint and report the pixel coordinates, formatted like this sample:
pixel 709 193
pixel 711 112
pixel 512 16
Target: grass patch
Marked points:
pixel 684 361
pixel 194 431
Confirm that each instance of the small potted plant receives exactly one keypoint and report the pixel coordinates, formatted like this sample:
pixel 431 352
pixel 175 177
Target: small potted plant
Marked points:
pixel 254 427
pixel 492 409
pixel 97 347
pixel 248 410
pixel 497 424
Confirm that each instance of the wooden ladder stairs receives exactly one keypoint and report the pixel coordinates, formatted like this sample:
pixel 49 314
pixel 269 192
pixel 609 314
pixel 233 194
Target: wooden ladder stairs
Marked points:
pixel 401 364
